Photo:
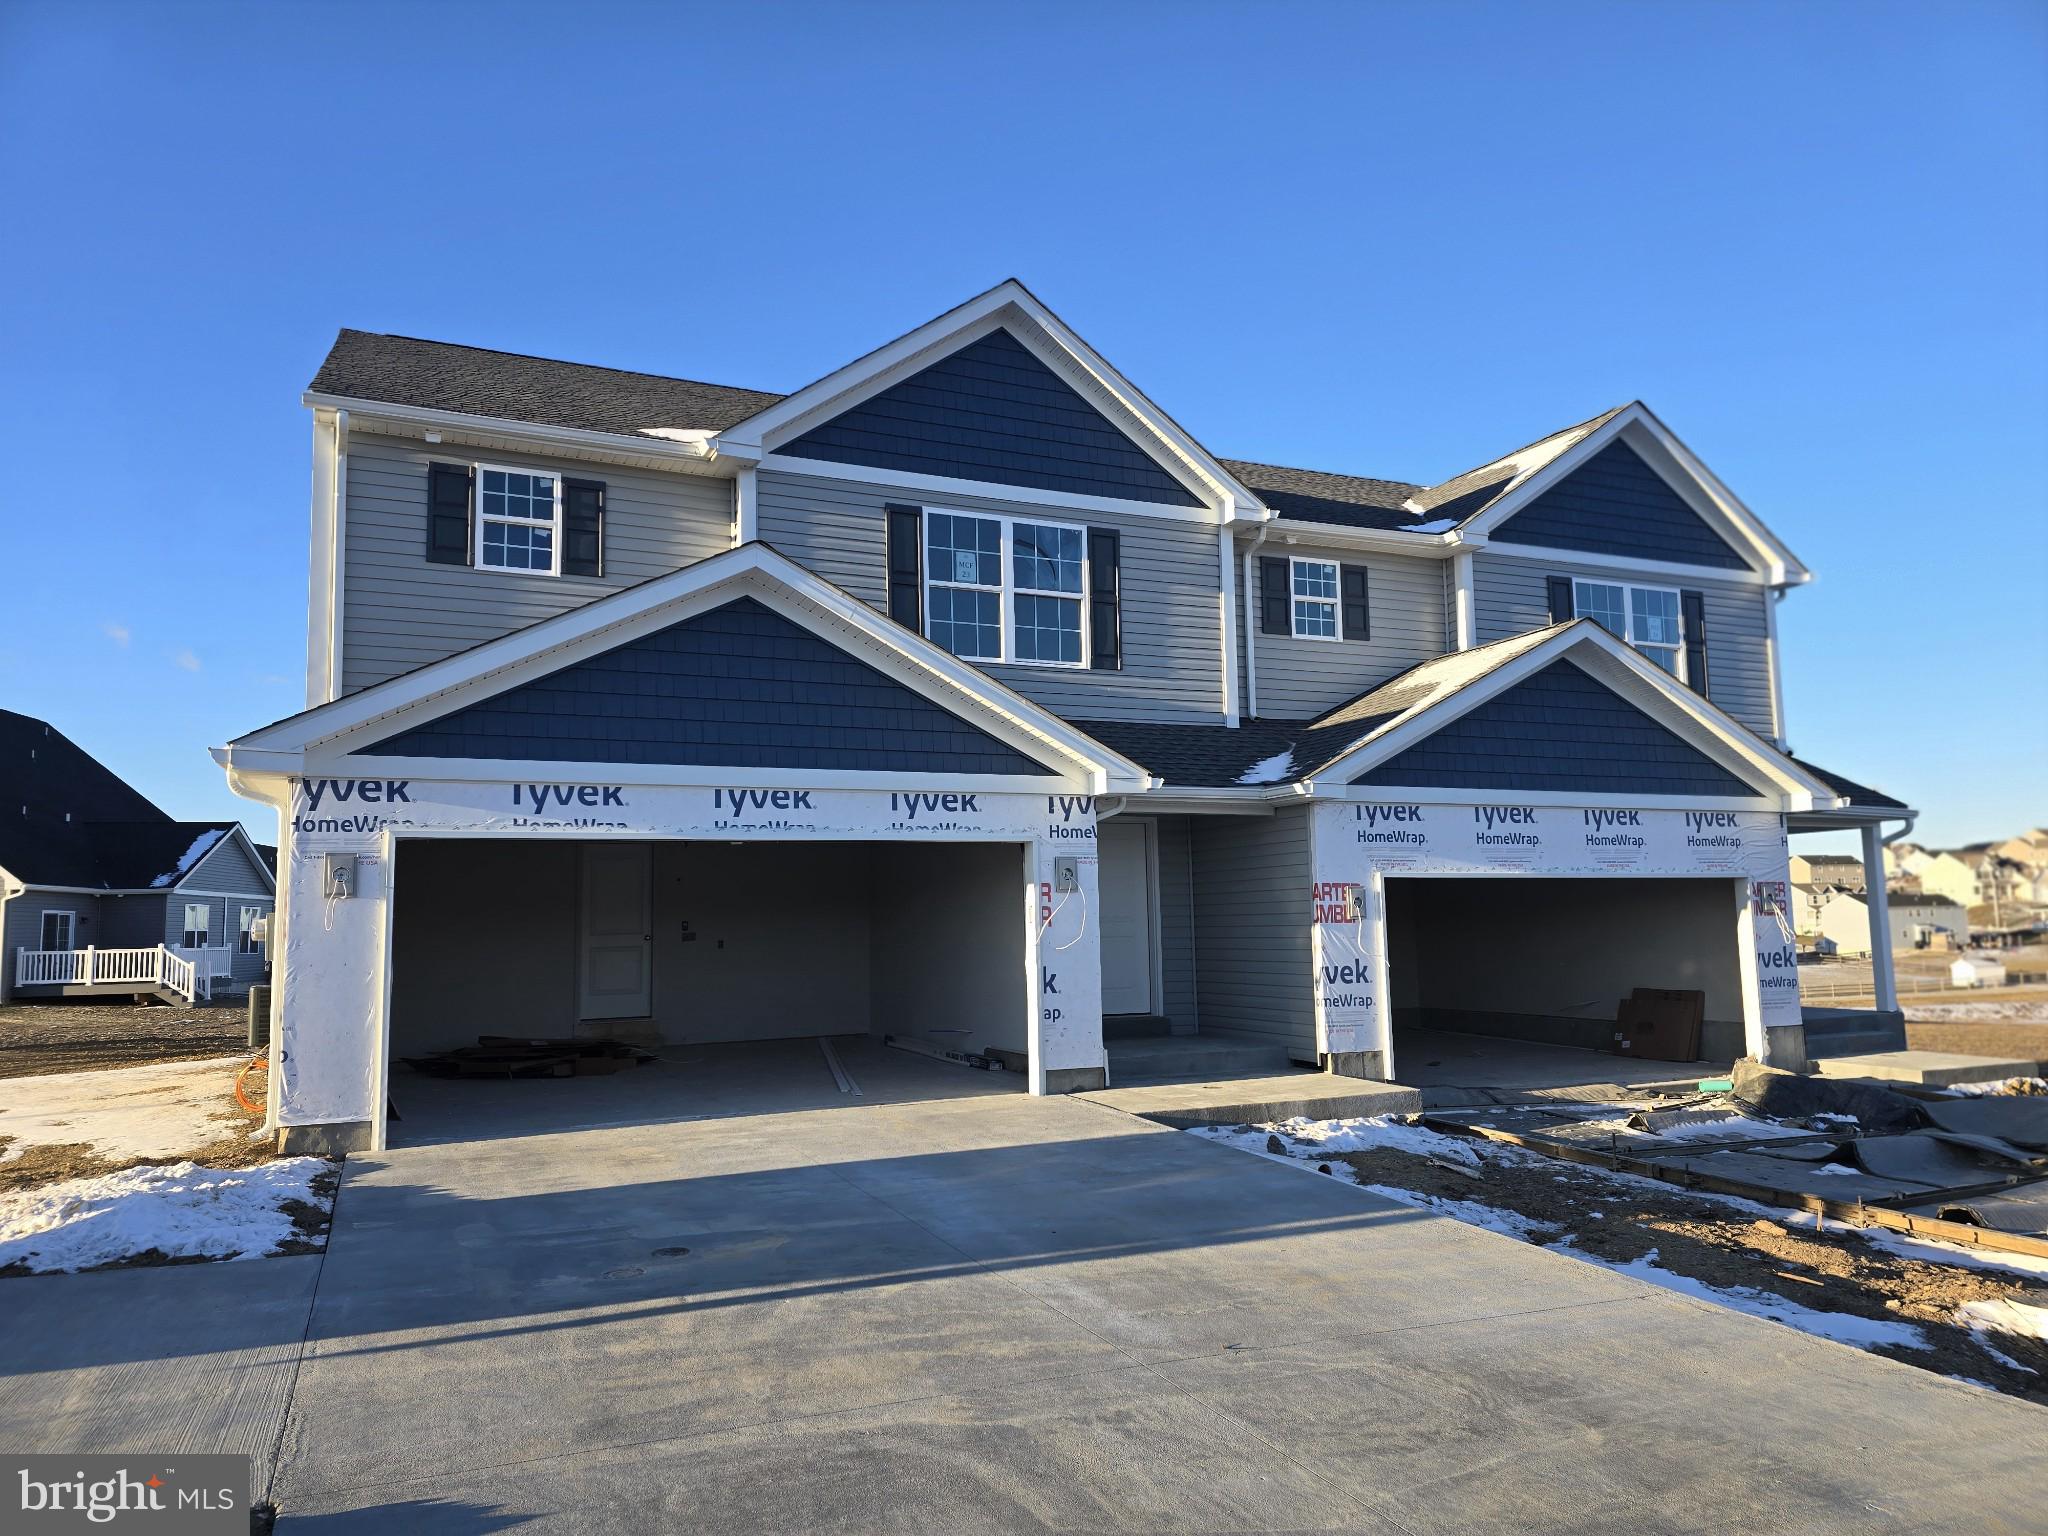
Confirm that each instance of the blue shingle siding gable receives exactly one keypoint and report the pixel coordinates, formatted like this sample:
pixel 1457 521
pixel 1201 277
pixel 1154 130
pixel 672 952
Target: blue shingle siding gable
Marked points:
pixel 1615 504
pixel 739 686
pixel 992 411
pixel 1558 730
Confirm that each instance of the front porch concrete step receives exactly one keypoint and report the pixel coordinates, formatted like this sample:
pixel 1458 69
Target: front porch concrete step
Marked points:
pixel 1162 1058
pixel 1261 1100
pixel 1136 1026
pixel 1936 1069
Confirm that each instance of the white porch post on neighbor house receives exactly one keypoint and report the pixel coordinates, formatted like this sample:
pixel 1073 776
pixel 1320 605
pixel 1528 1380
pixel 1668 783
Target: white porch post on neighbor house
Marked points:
pixel 1877 903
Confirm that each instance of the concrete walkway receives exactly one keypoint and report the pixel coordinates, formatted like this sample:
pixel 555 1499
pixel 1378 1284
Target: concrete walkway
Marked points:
pixel 918 1312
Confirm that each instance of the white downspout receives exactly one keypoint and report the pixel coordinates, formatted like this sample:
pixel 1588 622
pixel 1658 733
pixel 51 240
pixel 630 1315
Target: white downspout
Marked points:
pixel 1464 615
pixel 1226 575
pixel 1251 628
pixel 340 569
pixel 1776 596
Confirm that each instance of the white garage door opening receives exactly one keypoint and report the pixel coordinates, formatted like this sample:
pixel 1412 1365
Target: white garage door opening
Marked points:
pixel 1518 981
pixel 694 951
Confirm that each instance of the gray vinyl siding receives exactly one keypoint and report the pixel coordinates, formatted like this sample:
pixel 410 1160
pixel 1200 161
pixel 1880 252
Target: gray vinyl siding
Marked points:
pixel 228 867
pixel 1170 624
pixel 1510 599
pixel 399 612
pixel 1252 926
pixel 1300 679
pixel 132 922
pixel 1180 994
pixel 23 927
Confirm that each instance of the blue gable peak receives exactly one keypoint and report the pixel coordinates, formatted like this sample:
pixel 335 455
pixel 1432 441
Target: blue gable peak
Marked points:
pixel 738 686
pixel 1559 729
pixel 1616 504
pixel 993 411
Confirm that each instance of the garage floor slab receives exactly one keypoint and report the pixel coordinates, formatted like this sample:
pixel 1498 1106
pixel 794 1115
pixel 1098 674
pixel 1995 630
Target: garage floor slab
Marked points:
pixel 1454 1069
pixel 994 1312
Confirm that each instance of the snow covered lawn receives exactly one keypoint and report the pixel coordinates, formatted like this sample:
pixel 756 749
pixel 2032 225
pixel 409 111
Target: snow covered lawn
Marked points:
pixel 157 1111
pixel 162 1211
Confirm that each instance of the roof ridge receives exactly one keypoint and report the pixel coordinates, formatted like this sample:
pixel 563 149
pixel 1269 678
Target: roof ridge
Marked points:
pixel 1335 474
pixel 561 362
pixel 1597 416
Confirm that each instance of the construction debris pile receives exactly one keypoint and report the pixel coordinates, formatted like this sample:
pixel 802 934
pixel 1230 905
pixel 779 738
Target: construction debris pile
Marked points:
pixel 507 1056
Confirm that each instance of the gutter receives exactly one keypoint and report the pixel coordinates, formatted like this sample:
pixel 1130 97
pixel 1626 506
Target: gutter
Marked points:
pixel 686 449
pixel 1251 628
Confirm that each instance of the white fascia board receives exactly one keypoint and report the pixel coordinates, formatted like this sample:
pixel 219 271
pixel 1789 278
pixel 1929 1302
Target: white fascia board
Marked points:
pixel 333 730
pixel 1389 541
pixel 1625 565
pixel 1778 565
pixel 902 480
pixel 689 457
pixel 845 387
pixel 1700 723
pixel 460 770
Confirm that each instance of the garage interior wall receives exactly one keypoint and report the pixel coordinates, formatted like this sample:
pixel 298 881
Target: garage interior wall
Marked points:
pixel 1549 960
pixel 758 941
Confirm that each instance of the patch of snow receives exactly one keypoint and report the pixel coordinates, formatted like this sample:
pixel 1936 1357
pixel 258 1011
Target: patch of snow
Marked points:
pixel 693 436
pixel 154 1111
pixel 1471 1212
pixel 1933 1251
pixel 1376 1133
pixel 2022 1011
pixel 2004 1315
pixel 202 845
pixel 1269 770
pixel 1434 525
pixel 2005 1086
pixel 1842 1327
pixel 179 1209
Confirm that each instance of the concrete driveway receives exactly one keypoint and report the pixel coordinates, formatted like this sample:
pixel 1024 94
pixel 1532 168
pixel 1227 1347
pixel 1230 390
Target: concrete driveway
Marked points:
pixel 917 1311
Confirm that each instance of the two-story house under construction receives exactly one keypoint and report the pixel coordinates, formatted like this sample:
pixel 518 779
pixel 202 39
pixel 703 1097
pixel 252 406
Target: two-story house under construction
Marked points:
pixel 962 696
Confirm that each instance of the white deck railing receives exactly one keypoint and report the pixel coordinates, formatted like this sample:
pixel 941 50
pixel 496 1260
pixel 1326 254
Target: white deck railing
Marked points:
pixel 189 974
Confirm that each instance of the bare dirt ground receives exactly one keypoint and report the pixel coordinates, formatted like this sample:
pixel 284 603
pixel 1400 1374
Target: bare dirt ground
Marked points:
pixel 2001 1038
pixel 40 1038
pixel 1730 1246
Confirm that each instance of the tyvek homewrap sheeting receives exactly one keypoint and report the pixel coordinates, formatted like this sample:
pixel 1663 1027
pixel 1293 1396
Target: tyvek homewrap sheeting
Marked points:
pixel 332 973
pixel 1360 843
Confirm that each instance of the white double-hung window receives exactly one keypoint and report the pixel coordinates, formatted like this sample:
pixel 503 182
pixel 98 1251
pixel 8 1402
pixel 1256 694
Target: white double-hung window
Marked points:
pixel 1004 589
pixel 198 924
pixel 518 513
pixel 1314 587
pixel 1648 618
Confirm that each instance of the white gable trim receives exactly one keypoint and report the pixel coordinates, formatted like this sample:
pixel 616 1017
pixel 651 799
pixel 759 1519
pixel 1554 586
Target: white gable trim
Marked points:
pixel 1048 338
pixel 328 735
pixel 1694 720
pixel 1685 474
pixel 904 481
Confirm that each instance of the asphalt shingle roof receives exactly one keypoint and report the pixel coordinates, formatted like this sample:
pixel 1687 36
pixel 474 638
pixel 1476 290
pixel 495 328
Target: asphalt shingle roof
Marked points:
pixel 1316 496
pixel 65 819
pixel 1856 794
pixel 442 376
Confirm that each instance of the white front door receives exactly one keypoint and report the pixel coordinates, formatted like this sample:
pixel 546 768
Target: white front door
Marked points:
pixel 617 969
pixel 1123 885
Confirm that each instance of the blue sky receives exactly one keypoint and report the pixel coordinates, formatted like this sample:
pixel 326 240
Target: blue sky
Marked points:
pixel 1391 239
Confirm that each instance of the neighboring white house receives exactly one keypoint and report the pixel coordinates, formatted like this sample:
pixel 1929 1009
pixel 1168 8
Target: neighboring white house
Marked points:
pixel 1841 919
pixel 1906 859
pixel 1947 875
pixel 1977 970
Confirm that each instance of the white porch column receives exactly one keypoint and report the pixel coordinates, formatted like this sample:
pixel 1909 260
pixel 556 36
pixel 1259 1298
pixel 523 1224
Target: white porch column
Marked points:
pixel 1877 903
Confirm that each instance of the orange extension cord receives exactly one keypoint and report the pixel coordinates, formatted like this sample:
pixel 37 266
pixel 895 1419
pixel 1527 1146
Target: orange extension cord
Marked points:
pixel 242 1098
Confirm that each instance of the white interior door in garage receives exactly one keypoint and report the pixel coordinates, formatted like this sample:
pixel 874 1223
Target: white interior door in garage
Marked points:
pixel 1124 889
pixel 616 973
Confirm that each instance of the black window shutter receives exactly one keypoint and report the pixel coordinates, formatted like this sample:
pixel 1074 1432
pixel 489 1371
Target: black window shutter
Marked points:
pixel 448 513
pixel 1105 636
pixel 1692 612
pixel 582 527
pixel 906 565
pixel 1561 605
pixel 1357 590
pixel 1276 605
